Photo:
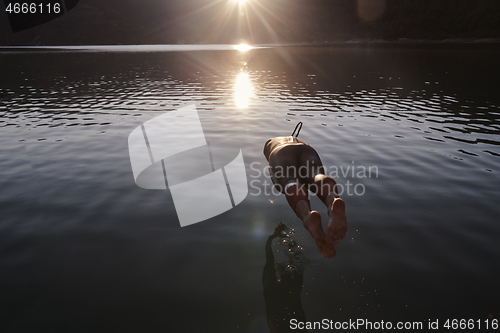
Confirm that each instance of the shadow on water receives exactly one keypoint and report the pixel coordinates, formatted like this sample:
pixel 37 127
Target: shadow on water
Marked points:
pixel 282 293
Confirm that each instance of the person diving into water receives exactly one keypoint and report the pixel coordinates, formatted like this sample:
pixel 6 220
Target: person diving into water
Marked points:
pixel 296 169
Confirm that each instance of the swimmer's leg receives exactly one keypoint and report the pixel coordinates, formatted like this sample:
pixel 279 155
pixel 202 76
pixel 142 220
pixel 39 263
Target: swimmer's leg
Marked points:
pixel 297 197
pixel 326 189
pixel 312 173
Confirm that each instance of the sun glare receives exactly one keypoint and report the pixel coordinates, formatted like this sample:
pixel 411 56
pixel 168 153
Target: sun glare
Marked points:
pixel 242 47
pixel 241 1
pixel 242 90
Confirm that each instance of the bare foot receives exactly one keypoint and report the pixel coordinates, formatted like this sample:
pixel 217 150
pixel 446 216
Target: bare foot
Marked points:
pixel 331 249
pixel 337 222
pixel 313 225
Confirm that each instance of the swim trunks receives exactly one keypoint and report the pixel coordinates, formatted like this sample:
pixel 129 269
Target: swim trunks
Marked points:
pixel 291 160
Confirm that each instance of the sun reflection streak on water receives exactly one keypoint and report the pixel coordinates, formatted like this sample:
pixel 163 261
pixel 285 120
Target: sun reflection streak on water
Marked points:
pixel 242 90
pixel 242 47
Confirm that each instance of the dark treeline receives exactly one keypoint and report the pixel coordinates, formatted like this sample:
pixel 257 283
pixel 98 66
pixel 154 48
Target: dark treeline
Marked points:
pixel 261 21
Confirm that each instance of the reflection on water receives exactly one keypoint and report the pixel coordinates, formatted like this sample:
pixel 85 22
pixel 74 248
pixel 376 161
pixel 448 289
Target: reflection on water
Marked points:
pixel 131 48
pixel 282 294
pixel 80 240
pixel 243 47
pixel 242 90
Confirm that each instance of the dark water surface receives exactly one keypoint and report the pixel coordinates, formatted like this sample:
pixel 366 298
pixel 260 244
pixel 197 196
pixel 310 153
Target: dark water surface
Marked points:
pixel 83 249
